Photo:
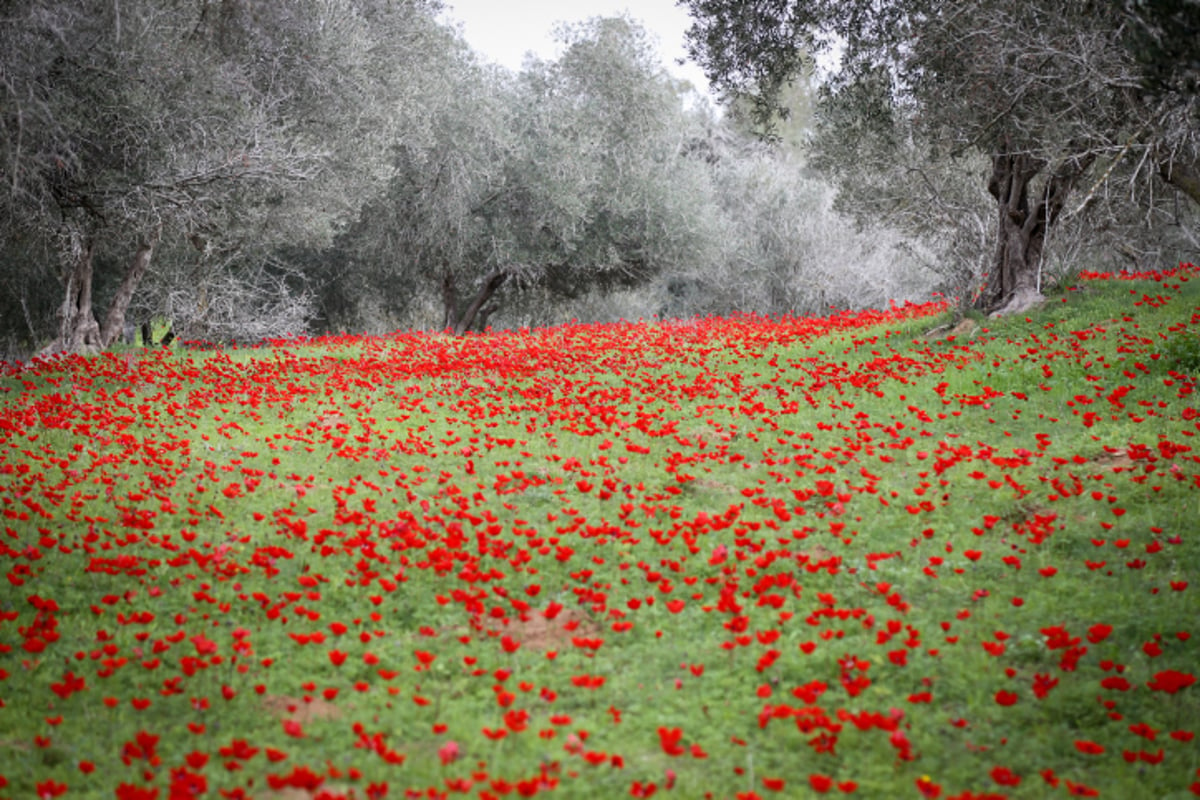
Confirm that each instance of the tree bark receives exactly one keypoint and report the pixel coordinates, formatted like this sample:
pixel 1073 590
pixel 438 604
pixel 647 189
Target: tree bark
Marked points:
pixel 114 320
pixel 1014 266
pixel 77 326
pixel 490 287
pixel 1014 282
pixel 449 299
pixel 461 323
pixel 78 330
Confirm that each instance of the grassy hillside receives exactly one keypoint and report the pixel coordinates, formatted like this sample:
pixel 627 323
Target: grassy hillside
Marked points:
pixel 872 554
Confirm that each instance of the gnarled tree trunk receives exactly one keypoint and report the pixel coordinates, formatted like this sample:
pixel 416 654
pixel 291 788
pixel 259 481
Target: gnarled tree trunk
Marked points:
pixel 78 330
pixel 1024 217
pixel 77 327
pixel 460 323
pixel 114 320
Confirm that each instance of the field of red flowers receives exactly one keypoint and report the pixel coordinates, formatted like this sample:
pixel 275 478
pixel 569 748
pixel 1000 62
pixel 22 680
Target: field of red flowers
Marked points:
pixel 869 554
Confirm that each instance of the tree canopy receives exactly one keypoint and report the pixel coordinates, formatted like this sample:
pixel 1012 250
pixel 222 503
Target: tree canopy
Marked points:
pixel 128 127
pixel 253 170
pixel 567 178
pixel 1052 95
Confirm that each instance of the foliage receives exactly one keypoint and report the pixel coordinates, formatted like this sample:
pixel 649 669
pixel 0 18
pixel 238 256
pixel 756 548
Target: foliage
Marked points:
pixel 568 177
pixel 790 252
pixel 738 557
pixel 263 170
pixel 1182 353
pixel 1043 93
pixel 1162 35
pixel 446 164
pixel 232 128
pixel 589 184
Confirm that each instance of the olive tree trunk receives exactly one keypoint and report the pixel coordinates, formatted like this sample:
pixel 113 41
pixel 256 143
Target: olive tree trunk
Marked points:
pixel 460 322
pixel 77 327
pixel 1024 216
pixel 78 330
pixel 114 320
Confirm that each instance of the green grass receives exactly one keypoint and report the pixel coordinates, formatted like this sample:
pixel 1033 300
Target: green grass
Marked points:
pixel 817 548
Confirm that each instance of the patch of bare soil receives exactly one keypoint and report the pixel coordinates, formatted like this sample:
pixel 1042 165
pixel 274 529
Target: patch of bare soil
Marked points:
pixel 709 483
pixel 299 709
pixel 541 634
pixel 328 789
pixel 815 554
pixel 1116 460
pixel 966 327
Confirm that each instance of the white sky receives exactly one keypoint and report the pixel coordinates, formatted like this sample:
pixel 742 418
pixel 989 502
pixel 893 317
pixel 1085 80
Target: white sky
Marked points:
pixel 503 31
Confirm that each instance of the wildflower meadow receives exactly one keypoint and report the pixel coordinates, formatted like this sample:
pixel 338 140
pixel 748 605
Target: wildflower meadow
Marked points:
pixel 873 554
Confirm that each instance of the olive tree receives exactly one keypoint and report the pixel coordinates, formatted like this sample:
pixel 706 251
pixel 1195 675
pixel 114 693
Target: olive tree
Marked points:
pixel 566 178
pixel 1048 93
pixel 423 239
pixel 608 196
pixel 221 126
pixel 785 248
